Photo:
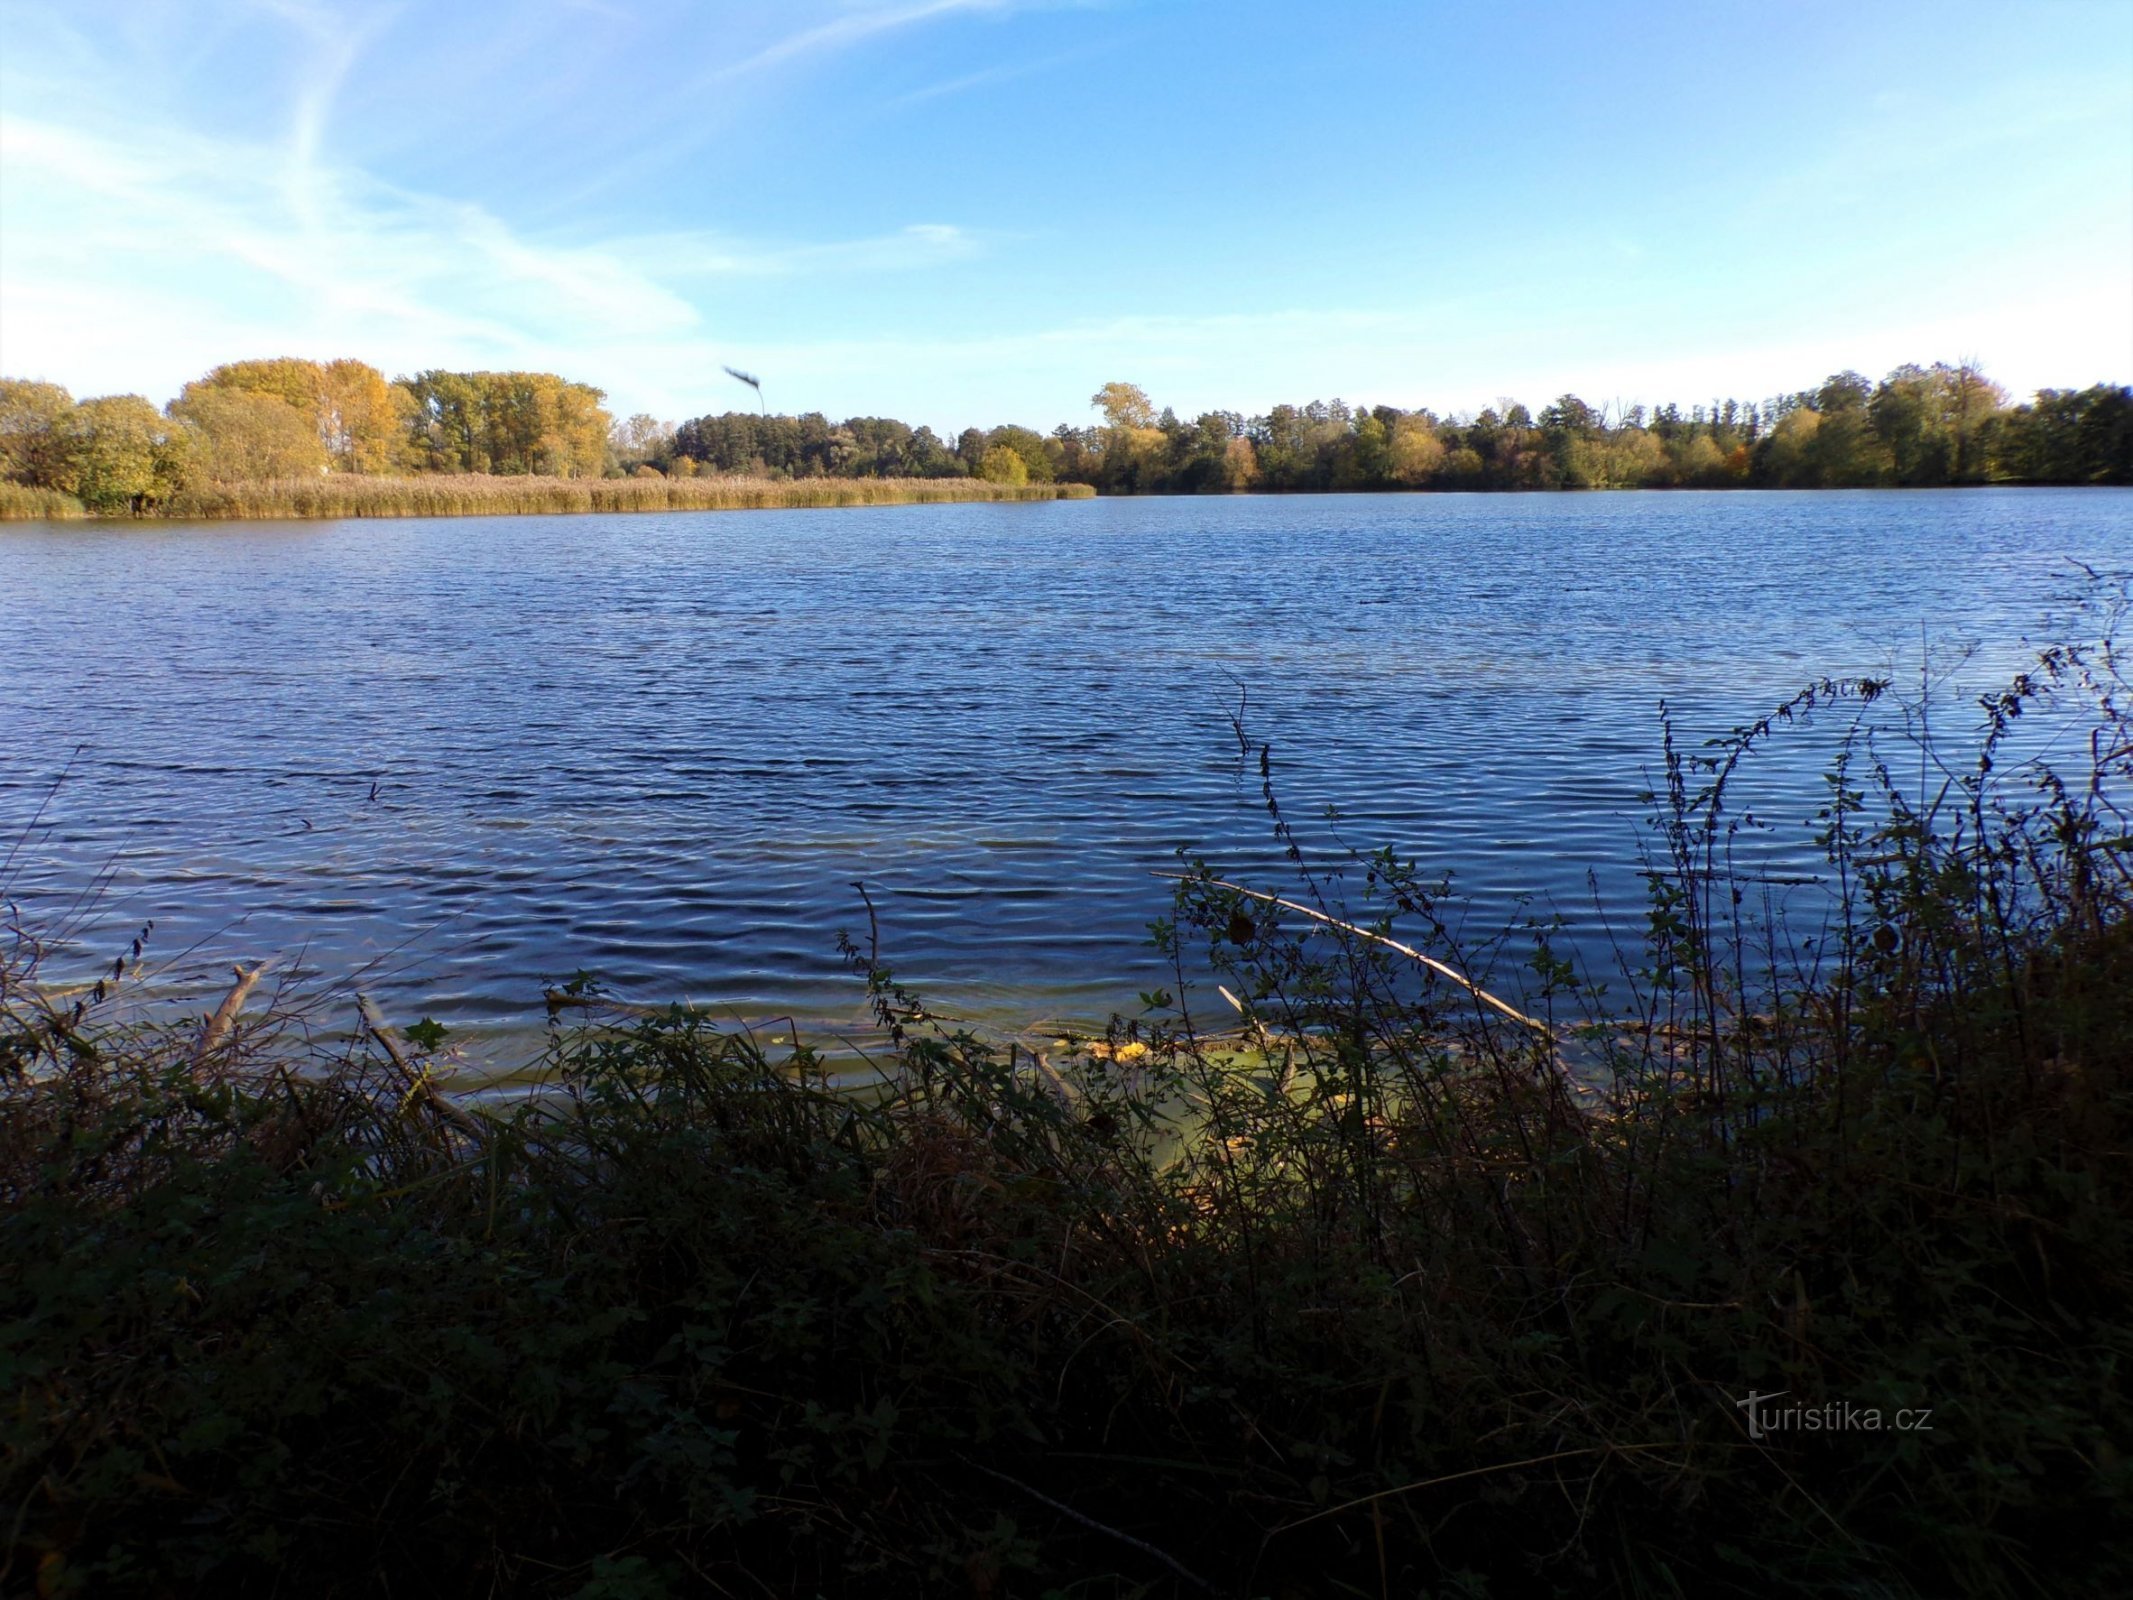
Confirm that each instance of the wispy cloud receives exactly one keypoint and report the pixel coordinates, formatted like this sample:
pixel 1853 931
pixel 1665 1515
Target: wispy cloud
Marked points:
pixel 138 261
pixel 842 32
pixel 192 205
pixel 136 248
pixel 680 257
pixel 732 68
pixel 1005 72
pixel 338 46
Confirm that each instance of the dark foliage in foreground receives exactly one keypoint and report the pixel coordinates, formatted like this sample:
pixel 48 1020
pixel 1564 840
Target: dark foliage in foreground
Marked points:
pixel 1391 1294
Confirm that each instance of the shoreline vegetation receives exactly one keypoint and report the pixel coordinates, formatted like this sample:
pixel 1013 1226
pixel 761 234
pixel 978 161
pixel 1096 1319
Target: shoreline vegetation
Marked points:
pixel 298 438
pixel 471 494
pixel 1783 1261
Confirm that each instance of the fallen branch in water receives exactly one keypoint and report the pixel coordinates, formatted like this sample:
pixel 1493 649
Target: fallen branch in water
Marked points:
pixel 419 1083
pixel 217 1026
pixel 1407 950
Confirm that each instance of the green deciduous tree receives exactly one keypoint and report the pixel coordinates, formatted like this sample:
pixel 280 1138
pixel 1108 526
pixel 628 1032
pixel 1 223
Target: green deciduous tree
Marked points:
pixel 34 440
pixel 1417 452
pixel 1002 463
pixel 2069 436
pixel 507 422
pixel 1027 443
pixel 125 455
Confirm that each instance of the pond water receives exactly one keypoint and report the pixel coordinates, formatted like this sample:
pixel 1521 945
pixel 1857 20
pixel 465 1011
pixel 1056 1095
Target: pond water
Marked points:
pixel 472 756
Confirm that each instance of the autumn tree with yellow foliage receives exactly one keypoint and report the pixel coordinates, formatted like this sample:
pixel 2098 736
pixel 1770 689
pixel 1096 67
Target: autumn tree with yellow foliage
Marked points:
pixel 288 419
pixel 360 420
pixel 247 435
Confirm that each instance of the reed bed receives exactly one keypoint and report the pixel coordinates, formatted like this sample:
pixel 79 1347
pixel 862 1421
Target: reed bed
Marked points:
pixel 1408 1293
pixel 480 495
pixel 19 503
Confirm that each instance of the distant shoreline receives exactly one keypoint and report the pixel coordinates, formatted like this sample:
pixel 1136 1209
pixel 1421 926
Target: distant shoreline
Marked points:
pixel 481 495
pixel 294 438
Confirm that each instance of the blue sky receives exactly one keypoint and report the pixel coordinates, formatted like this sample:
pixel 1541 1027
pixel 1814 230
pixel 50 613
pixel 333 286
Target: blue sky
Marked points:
pixel 972 211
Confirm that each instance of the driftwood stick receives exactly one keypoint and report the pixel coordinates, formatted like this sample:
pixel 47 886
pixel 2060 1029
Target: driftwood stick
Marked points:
pixel 1260 1036
pixel 419 1083
pixel 1051 1079
pixel 217 1026
pixel 1407 950
pixel 384 1035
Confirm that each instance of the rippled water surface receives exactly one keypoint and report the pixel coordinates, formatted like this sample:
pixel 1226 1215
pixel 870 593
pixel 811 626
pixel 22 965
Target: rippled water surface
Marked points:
pixel 488 753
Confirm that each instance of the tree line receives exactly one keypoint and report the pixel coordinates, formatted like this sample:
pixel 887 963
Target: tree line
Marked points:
pixel 1918 427
pixel 252 421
